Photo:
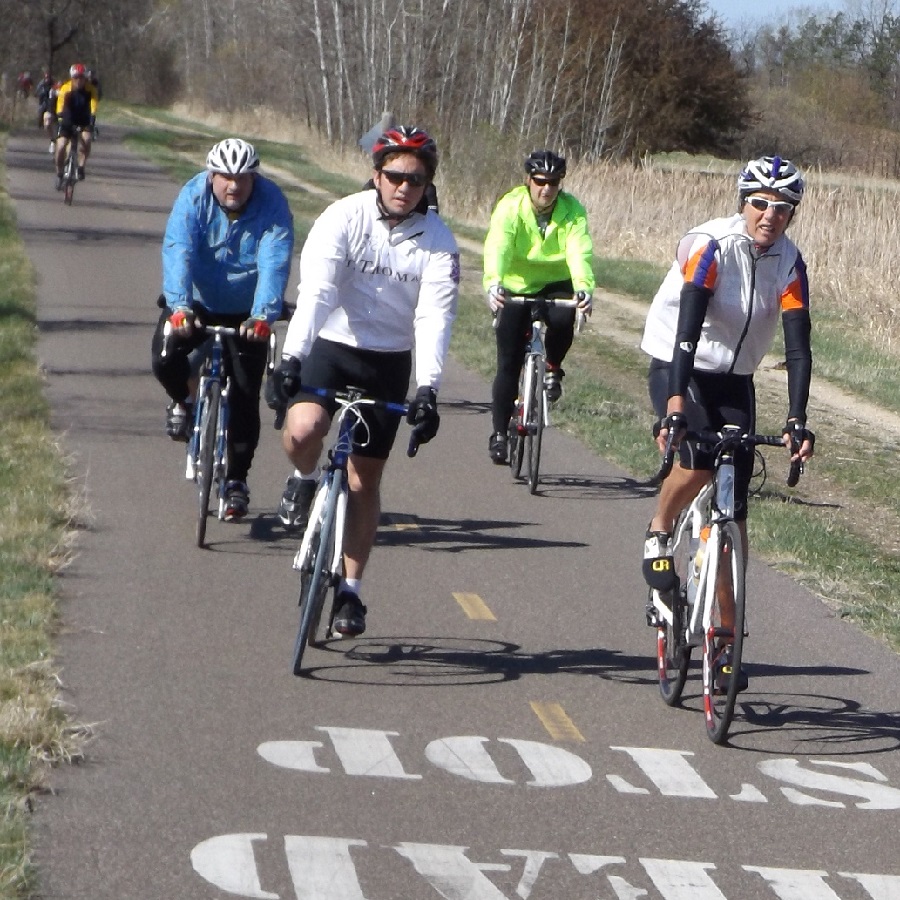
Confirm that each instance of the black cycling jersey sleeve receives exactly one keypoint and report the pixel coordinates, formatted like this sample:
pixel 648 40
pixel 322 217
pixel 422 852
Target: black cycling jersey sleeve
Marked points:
pixel 798 357
pixel 691 313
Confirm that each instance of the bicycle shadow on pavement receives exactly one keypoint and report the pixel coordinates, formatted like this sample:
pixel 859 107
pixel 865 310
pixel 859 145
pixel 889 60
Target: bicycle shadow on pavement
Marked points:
pixel 458 535
pixel 812 725
pixel 459 662
pixel 801 724
pixel 586 487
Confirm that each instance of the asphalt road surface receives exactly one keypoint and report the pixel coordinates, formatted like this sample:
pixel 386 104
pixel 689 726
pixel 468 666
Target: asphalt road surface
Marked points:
pixel 496 733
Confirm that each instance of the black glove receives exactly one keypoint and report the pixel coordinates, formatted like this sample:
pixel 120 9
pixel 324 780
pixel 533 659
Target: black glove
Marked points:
pixel 423 414
pixel 285 381
pixel 798 433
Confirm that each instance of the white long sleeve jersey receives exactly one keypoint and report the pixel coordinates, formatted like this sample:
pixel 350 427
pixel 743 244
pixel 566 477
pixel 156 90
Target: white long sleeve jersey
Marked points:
pixel 378 288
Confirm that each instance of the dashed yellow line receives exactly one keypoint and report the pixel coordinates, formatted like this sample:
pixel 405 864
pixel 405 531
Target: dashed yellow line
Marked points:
pixel 474 607
pixel 401 522
pixel 553 717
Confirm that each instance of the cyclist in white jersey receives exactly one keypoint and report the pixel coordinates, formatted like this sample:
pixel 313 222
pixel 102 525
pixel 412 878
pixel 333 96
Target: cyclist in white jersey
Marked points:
pixel 709 326
pixel 379 277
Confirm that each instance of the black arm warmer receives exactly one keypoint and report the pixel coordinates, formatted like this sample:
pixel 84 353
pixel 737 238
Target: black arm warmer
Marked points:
pixel 691 313
pixel 798 356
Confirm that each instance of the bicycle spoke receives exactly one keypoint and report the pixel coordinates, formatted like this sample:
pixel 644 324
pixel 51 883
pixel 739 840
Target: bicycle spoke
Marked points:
pixel 673 651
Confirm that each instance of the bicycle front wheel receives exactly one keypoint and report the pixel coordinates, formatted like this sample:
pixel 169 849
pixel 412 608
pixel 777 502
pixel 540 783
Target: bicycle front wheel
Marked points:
pixel 673 652
pixel 315 576
pixel 723 644
pixel 535 429
pixel 206 455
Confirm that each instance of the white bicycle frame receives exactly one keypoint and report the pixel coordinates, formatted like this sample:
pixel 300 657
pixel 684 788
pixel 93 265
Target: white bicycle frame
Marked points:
pixel 697 518
pixel 317 515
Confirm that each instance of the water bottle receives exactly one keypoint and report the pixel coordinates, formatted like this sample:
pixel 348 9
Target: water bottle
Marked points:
pixel 697 562
pixel 693 575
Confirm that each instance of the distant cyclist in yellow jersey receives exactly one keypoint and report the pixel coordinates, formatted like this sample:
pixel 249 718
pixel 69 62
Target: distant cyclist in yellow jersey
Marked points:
pixel 76 106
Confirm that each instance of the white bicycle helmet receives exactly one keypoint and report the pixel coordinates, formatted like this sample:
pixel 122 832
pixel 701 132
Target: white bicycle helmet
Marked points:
pixel 232 157
pixel 771 173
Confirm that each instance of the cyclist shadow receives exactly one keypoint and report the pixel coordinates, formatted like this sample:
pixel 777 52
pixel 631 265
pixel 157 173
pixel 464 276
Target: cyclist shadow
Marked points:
pixel 805 724
pixel 460 662
pixel 458 535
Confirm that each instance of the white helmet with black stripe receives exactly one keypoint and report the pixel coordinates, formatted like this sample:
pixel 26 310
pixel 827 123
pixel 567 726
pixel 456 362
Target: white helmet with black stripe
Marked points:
pixel 771 173
pixel 232 157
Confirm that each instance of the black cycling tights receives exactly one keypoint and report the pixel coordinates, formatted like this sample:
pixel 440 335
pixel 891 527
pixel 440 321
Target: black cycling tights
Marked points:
pixel 247 367
pixel 513 333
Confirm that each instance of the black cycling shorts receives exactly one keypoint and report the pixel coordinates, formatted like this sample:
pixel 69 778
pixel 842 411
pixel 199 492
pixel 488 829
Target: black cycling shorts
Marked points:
pixel 713 399
pixel 378 374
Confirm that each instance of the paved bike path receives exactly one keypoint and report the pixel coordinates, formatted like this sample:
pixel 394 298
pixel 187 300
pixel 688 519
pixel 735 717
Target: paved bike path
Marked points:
pixel 524 753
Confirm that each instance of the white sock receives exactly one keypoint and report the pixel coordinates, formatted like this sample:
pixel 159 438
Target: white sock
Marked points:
pixel 312 476
pixel 350 584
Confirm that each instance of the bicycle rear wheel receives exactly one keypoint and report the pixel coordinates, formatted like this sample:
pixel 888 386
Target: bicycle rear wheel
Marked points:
pixel 721 676
pixel 535 430
pixel 673 652
pixel 206 454
pixel 315 577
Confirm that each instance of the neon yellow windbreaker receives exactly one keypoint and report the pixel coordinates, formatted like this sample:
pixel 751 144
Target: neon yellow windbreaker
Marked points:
pixel 517 256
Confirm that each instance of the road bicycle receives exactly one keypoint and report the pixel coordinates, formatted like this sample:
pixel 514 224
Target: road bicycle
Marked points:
pixel 709 567
pixel 320 557
pixel 532 415
pixel 70 172
pixel 207 447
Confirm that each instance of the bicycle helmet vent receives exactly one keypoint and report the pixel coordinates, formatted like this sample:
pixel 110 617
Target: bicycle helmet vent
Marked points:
pixel 406 139
pixel 546 163
pixel 232 157
pixel 771 173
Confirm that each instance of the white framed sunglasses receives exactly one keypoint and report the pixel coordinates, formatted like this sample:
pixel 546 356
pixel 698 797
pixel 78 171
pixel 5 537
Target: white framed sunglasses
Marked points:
pixel 781 207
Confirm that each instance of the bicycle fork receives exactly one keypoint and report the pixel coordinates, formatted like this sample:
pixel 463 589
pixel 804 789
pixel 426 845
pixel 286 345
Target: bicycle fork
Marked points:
pixel 317 513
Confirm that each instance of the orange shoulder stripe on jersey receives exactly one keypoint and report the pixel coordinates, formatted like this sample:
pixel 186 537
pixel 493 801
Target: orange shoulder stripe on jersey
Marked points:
pixel 701 268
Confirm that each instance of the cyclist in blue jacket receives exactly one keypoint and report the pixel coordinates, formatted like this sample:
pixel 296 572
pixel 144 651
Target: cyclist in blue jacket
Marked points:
pixel 226 259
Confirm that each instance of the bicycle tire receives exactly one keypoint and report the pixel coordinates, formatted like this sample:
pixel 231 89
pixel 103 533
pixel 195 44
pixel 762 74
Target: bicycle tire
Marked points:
pixel 673 652
pixel 314 579
pixel 536 430
pixel 70 173
pixel 220 463
pixel 516 448
pixel 206 456
pixel 719 705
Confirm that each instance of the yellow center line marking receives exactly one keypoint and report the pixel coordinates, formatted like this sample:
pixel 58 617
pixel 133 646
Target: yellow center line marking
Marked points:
pixel 401 522
pixel 553 717
pixel 474 607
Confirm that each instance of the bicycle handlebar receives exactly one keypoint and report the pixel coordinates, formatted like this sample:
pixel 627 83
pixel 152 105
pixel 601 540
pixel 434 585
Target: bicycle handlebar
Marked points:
pixel 721 442
pixel 564 301
pixel 353 398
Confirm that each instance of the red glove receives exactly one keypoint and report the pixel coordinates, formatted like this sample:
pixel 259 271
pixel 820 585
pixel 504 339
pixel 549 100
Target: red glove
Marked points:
pixel 182 322
pixel 256 330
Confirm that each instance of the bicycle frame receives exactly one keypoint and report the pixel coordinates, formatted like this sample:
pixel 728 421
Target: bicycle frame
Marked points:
pixel 694 611
pixel 320 558
pixel 212 371
pixel 70 172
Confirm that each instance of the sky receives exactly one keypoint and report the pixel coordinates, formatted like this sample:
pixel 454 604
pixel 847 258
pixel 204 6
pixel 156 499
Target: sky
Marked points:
pixel 758 12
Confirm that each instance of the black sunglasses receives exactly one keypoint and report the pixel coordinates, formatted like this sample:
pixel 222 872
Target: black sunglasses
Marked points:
pixel 541 181
pixel 397 178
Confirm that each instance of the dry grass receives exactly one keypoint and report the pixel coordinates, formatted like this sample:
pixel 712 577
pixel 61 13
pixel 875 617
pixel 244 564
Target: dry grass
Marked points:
pixel 847 227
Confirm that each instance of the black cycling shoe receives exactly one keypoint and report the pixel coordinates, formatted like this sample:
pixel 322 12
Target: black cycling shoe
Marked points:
pixel 350 618
pixel 498 448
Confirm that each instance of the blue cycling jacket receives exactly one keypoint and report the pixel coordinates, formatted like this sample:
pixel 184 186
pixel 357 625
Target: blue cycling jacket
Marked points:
pixel 236 266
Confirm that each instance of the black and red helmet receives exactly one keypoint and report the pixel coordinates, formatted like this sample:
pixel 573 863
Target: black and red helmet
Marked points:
pixel 406 139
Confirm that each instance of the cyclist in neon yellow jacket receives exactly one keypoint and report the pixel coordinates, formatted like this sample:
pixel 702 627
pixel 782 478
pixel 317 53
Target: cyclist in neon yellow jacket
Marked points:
pixel 538 242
